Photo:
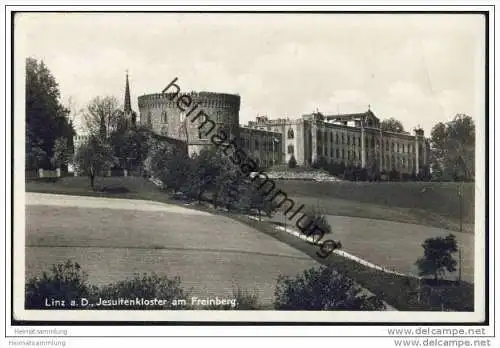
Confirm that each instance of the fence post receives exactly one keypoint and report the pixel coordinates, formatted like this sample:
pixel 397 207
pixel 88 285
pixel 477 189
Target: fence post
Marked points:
pixel 40 172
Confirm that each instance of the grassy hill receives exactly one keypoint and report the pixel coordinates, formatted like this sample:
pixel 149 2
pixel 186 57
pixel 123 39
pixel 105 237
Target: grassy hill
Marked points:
pixel 430 203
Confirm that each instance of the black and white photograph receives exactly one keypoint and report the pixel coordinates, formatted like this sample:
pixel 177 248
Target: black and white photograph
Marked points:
pixel 250 167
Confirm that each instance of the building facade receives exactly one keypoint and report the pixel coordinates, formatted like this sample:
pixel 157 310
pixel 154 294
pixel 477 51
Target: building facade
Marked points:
pixel 355 139
pixel 162 114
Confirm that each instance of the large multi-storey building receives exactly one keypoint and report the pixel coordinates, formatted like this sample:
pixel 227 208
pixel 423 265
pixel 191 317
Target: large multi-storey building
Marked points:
pixel 162 114
pixel 355 139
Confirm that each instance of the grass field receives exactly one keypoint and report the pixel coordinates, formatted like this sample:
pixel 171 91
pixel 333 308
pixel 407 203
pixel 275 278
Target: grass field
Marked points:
pixel 382 201
pixel 399 291
pixel 426 203
pixel 211 254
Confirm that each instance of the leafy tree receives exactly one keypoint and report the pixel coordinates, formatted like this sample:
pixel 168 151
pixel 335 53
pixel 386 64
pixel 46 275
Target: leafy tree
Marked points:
pixel 394 175
pixel 292 163
pixel 94 156
pixel 341 168
pixel 392 125
pixel 130 144
pixel 170 164
pixel 204 170
pixel 316 221
pixel 46 118
pixel 227 180
pixel 63 153
pixel 320 163
pixel 103 116
pixel 453 148
pixel 322 289
pixel 438 256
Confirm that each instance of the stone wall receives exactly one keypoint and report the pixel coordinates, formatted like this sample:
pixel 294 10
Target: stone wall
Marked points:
pixel 163 115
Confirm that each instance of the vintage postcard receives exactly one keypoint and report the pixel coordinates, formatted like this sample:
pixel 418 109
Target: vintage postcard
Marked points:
pixel 246 167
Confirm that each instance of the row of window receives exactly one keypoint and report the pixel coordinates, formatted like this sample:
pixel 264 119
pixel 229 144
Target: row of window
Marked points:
pixel 356 141
pixel 356 155
pixel 266 145
pixel 164 117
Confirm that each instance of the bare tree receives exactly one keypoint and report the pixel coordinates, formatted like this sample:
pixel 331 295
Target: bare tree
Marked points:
pixel 103 116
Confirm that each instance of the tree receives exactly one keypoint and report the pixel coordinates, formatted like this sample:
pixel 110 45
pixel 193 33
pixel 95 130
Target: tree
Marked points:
pixel 63 153
pixel 130 144
pixel 322 289
pixel 453 148
pixel 103 116
pixel 292 163
pixel 392 125
pixel 204 169
pixel 438 256
pixel 46 118
pixel 320 163
pixel 170 164
pixel 94 156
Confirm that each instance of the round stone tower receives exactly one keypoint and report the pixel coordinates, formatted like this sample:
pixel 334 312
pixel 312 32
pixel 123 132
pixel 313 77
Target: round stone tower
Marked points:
pixel 166 116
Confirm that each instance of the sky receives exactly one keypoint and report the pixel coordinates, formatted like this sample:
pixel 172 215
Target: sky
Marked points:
pixel 419 69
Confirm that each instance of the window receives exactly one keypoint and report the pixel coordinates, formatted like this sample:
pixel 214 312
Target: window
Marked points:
pixel 331 137
pixel 256 144
pixel 164 117
pixel 343 154
pixel 348 140
pixel 290 134
pixel 337 153
pixel 336 138
pixel 403 148
pixel 290 149
pixel 342 142
pixel 149 118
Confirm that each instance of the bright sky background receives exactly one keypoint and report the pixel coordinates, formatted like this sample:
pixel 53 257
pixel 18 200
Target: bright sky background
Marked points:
pixel 420 69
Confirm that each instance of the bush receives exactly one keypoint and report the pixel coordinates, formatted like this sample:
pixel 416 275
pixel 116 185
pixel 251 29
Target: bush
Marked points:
pixel 315 221
pixel 245 300
pixel 146 287
pixel 322 289
pixel 66 283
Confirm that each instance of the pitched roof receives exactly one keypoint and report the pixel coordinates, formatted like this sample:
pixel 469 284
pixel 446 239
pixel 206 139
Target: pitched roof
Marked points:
pixel 351 116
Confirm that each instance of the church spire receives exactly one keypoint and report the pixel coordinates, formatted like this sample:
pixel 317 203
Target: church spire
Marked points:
pixel 127 106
